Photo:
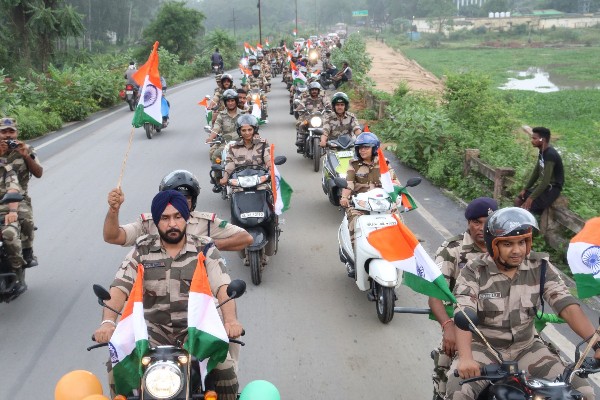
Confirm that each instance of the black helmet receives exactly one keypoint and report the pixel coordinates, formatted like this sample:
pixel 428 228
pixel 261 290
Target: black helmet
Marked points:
pixel 510 222
pixel 226 76
pixel 229 94
pixel 184 182
pixel 246 119
pixel 340 97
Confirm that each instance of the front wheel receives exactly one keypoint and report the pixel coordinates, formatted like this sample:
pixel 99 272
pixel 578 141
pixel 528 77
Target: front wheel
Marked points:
pixel 316 154
pixel 384 302
pixel 255 266
pixel 149 130
pixel 131 105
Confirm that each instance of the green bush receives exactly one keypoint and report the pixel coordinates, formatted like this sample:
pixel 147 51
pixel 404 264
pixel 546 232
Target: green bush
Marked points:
pixel 34 122
pixel 354 52
pixel 68 94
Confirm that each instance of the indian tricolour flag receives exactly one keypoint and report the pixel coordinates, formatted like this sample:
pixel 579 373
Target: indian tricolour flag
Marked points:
pixel 259 47
pixel 207 339
pixel 388 185
pixel 149 106
pixel 398 245
pixel 204 103
pixel 584 259
pixel 256 110
pixel 129 341
pixel 282 192
pixel 297 76
pixel 246 48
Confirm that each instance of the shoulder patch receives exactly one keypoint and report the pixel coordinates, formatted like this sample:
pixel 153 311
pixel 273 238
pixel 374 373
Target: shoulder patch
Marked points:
pixel 223 224
pixel 146 217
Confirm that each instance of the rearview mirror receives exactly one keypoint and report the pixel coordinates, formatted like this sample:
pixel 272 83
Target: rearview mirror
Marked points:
pixel 461 321
pixel 413 182
pixel 11 198
pixel 236 288
pixel 101 293
pixel 280 160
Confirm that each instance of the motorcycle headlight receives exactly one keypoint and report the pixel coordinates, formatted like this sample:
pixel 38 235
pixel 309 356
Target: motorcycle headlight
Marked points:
pixel 248 181
pixel 379 204
pixel 254 97
pixel 316 122
pixel 163 380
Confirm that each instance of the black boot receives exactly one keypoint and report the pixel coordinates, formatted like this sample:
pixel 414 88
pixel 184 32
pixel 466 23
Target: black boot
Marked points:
pixel 30 259
pixel 20 285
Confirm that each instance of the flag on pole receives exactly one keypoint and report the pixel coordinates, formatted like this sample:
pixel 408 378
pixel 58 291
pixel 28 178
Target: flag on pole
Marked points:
pixel 386 183
pixel 267 44
pixel 583 257
pixel 282 192
pixel 294 32
pixel 308 44
pixel 256 110
pixel 207 339
pixel 297 76
pixel 129 342
pixel 204 103
pixel 246 48
pixel 252 50
pixel 149 106
pixel 398 245
pixel 259 47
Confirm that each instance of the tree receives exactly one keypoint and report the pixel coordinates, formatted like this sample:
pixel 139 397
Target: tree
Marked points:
pixel 176 28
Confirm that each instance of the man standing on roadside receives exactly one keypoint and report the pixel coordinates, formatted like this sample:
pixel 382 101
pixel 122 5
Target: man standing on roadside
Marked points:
pixel 548 171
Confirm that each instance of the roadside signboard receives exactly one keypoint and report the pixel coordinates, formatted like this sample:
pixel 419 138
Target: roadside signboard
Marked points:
pixel 360 13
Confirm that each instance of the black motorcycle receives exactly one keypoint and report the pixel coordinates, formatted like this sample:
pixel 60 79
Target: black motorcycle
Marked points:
pixel 131 96
pixel 8 279
pixel 326 78
pixel 216 69
pixel 509 382
pixel 314 126
pixel 170 372
pixel 252 208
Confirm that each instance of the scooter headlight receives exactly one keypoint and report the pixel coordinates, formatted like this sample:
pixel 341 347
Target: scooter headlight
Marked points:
pixel 316 122
pixel 254 97
pixel 163 380
pixel 379 204
pixel 248 181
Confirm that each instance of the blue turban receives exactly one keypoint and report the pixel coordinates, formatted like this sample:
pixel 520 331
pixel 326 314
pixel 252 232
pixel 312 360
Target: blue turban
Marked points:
pixel 480 207
pixel 163 199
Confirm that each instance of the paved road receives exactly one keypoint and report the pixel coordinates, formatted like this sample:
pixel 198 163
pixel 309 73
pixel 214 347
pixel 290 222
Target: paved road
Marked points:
pixel 309 330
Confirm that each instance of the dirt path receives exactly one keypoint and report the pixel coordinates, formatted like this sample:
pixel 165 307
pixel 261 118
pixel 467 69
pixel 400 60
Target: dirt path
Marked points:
pixel 390 67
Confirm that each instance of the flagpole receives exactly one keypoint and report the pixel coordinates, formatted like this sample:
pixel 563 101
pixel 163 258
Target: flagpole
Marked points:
pixel 125 159
pixel 259 25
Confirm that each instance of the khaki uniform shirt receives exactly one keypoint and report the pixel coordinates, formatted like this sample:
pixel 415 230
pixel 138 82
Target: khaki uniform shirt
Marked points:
pixel 167 283
pixel 335 126
pixel 256 83
pixel 20 167
pixel 363 177
pixel 505 306
pixel 199 224
pixel 454 254
pixel 8 178
pixel 318 104
pixel 258 153
pixel 226 125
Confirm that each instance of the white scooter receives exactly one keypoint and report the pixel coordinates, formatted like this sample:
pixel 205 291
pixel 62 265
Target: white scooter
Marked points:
pixel 372 274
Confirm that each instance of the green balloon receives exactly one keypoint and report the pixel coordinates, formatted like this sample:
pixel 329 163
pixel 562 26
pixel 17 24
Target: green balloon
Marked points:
pixel 260 390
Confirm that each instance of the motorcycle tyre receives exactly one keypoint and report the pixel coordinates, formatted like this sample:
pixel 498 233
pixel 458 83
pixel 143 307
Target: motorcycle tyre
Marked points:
pixel 255 261
pixel 131 105
pixel 316 154
pixel 224 193
pixel 384 302
pixel 148 128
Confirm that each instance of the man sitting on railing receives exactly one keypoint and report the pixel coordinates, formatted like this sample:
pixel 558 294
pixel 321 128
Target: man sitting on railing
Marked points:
pixel 549 168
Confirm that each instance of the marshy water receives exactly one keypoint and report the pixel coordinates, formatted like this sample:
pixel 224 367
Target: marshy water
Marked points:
pixel 542 81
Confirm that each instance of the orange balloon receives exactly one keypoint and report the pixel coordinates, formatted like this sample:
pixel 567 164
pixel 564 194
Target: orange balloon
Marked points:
pixel 96 397
pixel 78 385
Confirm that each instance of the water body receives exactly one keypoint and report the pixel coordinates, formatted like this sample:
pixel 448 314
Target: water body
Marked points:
pixel 541 81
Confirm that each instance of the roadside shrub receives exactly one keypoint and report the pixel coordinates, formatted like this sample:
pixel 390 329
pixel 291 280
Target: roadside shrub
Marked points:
pixel 35 122
pixel 354 51
pixel 68 94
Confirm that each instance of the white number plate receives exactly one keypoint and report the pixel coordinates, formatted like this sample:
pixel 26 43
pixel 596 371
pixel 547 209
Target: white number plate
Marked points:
pixel 344 154
pixel 129 91
pixel 253 215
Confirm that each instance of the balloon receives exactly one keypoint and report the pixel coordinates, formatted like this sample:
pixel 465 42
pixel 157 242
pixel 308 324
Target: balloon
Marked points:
pixel 260 390
pixel 78 385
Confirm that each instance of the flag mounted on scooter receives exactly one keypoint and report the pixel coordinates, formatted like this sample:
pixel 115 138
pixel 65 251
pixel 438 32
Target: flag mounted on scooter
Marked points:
pixel 204 103
pixel 207 339
pixel 267 44
pixel 259 47
pixel 246 48
pixel 297 76
pixel 388 185
pixel 282 192
pixel 257 110
pixel 398 245
pixel 129 342
pixel 149 106
pixel 583 257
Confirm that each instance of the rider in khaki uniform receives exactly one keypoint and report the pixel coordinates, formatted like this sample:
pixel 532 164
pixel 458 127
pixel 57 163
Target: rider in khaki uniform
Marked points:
pixel 224 124
pixel 312 101
pixel 451 257
pixel 505 290
pixel 227 237
pixel 340 121
pixel 170 259
pixel 224 83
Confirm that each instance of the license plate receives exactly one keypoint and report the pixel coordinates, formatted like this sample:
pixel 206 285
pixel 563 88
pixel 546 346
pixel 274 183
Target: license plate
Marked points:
pixel 344 154
pixel 253 215
pixel 129 91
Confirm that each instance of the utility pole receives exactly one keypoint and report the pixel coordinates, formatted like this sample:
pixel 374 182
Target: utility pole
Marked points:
pixel 259 25
pixel 233 19
pixel 296 1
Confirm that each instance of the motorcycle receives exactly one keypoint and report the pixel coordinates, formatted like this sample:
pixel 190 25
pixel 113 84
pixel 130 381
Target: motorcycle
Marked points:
pixel 314 124
pixel 254 95
pixel 301 87
pixel 371 273
pixel 8 279
pixel 274 68
pixel 338 155
pixel 151 128
pixel 508 381
pixel 130 95
pixel 170 372
pixel 252 208
pixel 326 77
pixel 216 174
pixel 216 69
